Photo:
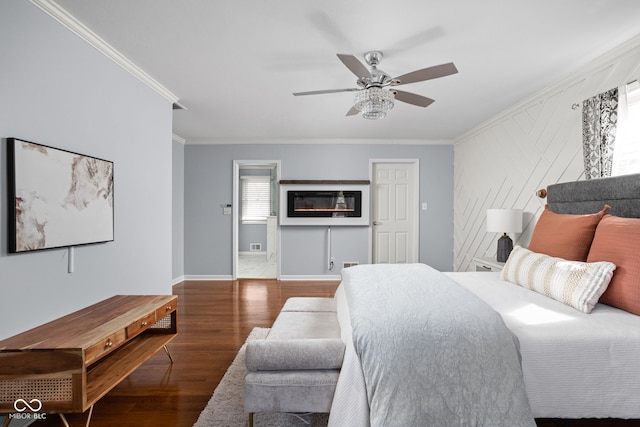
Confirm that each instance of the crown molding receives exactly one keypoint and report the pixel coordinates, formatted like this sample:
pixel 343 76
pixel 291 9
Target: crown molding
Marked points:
pixel 178 139
pixel 601 62
pixel 70 22
pixel 320 141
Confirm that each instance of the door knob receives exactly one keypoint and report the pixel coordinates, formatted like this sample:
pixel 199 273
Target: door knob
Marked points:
pixel 377 223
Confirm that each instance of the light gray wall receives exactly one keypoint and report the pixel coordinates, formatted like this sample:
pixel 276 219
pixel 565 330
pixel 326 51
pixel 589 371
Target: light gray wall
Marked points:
pixel 177 235
pixel 57 90
pixel 208 184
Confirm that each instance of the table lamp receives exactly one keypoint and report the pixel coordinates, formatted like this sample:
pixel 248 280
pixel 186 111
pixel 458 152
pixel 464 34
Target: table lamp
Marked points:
pixel 504 221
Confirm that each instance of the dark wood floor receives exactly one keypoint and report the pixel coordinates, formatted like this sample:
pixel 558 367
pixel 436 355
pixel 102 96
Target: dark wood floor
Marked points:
pixel 214 320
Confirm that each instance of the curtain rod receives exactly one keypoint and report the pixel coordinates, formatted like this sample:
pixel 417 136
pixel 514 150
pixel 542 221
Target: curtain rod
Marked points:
pixel 576 105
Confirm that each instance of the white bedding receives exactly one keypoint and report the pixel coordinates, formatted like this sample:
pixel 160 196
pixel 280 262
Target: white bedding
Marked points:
pixel 575 365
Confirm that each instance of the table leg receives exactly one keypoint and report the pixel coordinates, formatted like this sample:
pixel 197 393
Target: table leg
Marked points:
pixel 166 349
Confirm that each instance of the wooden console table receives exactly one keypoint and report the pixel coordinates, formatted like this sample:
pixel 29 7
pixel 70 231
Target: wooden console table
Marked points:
pixel 67 365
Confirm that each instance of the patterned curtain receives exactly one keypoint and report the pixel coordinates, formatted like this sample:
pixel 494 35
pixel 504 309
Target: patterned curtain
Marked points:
pixel 599 120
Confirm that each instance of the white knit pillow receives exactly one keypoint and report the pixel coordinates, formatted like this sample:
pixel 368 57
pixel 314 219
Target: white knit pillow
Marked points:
pixel 576 284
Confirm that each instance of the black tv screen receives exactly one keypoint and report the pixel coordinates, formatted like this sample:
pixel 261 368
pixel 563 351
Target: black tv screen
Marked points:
pixel 57 198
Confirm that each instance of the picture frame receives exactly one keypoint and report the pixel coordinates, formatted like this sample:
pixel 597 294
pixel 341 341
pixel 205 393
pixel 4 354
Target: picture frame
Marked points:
pixel 57 198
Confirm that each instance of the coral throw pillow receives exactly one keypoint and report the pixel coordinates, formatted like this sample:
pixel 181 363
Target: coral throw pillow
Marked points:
pixel 617 240
pixel 565 236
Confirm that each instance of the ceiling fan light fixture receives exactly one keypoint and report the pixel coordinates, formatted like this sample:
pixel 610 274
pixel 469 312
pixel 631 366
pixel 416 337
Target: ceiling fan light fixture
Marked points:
pixel 374 102
pixel 372 99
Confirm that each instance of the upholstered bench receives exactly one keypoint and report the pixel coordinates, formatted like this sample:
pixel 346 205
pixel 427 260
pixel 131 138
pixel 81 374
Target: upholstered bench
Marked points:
pixel 296 367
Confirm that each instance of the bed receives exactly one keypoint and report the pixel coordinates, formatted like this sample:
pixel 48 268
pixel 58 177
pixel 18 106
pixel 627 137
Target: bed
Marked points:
pixel 577 358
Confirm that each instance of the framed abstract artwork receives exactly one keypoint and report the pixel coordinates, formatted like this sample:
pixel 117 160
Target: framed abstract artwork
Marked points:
pixel 57 198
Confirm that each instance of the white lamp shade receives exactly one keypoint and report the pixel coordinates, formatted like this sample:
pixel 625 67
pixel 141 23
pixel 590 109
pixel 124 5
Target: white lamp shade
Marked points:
pixel 504 220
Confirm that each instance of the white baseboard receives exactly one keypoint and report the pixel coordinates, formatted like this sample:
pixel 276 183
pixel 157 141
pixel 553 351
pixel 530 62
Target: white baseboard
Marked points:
pixel 305 278
pixel 285 278
pixel 207 277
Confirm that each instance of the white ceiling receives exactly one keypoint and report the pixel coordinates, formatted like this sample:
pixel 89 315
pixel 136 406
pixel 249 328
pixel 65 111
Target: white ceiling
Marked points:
pixel 234 64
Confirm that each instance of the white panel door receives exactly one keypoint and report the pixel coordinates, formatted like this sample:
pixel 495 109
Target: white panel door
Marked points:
pixel 395 208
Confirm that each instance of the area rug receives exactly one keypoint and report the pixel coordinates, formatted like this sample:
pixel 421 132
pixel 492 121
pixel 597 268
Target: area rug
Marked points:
pixel 225 407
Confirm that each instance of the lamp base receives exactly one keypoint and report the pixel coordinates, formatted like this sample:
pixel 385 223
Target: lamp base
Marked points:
pixel 505 246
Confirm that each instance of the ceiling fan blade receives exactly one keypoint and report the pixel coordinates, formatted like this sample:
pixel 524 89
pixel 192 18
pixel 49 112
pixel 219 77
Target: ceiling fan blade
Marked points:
pixel 413 99
pixel 320 92
pixel 427 73
pixel 352 112
pixel 353 64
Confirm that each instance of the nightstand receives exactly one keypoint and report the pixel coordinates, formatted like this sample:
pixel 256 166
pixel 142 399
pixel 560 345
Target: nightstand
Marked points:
pixel 487 264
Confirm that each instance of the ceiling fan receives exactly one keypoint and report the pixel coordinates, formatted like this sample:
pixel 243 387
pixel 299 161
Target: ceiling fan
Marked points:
pixel 373 98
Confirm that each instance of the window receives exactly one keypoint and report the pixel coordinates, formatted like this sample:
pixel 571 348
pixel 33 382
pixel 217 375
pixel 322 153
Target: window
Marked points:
pixel 256 199
pixel 626 152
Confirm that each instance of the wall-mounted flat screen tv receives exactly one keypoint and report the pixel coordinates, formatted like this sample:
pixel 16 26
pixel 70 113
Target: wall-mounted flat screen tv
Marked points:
pixel 57 198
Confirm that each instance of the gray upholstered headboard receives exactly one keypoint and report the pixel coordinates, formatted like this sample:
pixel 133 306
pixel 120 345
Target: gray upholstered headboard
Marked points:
pixel 622 193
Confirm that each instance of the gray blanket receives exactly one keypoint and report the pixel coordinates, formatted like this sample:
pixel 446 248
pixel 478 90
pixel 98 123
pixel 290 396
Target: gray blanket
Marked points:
pixel 432 353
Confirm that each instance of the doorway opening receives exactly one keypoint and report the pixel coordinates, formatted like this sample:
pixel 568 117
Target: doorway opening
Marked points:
pixel 256 234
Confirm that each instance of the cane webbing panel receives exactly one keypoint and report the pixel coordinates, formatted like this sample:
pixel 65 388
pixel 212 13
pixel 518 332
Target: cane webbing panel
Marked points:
pixel 164 323
pixel 44 389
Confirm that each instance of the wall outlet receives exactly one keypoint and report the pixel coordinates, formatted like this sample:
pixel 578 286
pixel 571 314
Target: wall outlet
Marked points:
pixel 348 264
pixel 255 247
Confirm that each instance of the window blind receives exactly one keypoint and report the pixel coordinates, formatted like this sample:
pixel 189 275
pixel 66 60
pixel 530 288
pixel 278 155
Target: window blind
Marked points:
pixel 256 199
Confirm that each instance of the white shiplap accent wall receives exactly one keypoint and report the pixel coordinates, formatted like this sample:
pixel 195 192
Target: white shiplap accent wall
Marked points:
pixel 538 142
